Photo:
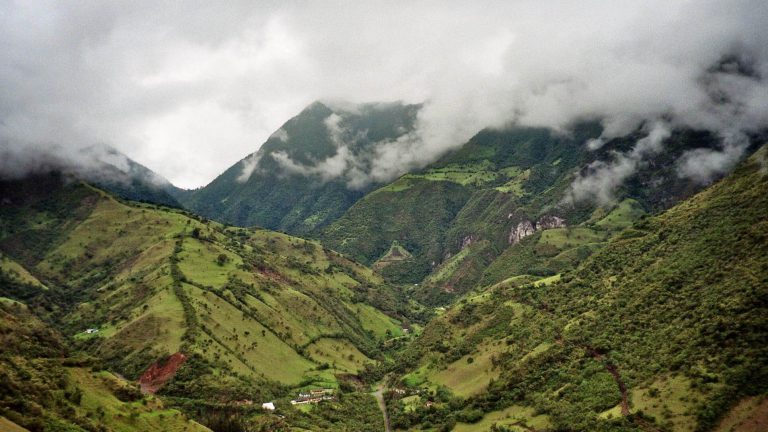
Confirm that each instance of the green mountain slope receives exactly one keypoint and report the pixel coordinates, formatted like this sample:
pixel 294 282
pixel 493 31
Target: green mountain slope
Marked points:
pixel 247 314
pixel 42 388
pixel 110 169
pixel 462 219
pixel 293 182
pixel 662 329
pixel 420 209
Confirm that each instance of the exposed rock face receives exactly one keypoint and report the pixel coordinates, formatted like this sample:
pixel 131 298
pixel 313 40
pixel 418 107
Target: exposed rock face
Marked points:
pixel 521 231
pixel 549 222
pixel 526 227
pixel 467 241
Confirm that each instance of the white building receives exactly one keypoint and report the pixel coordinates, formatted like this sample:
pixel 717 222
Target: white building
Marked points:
pixel 268 406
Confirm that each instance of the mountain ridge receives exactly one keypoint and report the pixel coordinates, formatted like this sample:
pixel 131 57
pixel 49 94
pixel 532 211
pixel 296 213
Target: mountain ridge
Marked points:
pixel 283 186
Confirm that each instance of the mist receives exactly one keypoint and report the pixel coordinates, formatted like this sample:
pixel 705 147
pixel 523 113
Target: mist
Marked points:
pixel 190 91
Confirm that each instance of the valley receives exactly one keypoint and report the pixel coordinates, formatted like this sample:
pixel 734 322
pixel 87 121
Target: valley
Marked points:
pixel 295 216
pixel 470 295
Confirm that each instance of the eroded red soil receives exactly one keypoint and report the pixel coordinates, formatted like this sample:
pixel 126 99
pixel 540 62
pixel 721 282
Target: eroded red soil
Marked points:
pixel 158 374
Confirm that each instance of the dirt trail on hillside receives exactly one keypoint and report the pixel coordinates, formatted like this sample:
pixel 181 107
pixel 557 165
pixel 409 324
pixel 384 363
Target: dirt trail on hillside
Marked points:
pixel 611 368
pixel 614 371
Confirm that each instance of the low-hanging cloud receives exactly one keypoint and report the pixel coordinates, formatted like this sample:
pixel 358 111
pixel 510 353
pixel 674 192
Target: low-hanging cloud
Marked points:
pixel 704 165
pixel 98 163
pixel 603 178
pixel 189 91
pixel 351 167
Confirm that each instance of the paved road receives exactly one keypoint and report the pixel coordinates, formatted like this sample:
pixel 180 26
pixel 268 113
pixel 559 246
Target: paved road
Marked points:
pixel 379 395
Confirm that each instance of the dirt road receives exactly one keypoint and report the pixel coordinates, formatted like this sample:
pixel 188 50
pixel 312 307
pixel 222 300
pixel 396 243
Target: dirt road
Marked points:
pixel 379 395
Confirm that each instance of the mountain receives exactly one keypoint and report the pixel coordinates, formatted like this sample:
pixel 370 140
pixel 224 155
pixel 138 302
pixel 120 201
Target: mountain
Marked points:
pixel 128 179
pixel 307 173
pixel 498 207
pixel 199 313
pixel 664 328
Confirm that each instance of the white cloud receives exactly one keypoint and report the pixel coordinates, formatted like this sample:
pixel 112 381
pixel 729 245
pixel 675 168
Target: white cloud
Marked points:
pixel 703 165
pixel 190 91
pixel 603 178
pixel 249 166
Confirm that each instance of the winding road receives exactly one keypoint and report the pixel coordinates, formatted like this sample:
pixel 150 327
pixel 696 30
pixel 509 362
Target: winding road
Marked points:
pixel 379 395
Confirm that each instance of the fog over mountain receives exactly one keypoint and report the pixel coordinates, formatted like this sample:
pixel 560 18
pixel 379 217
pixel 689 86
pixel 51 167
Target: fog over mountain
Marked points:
pixel 189 90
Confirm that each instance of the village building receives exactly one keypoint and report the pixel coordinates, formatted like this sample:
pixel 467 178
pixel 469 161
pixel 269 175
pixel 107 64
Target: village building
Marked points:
pixel 314 396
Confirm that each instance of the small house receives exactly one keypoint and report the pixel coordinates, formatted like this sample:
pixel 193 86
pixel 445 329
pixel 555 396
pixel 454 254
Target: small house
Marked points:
pixel 269 406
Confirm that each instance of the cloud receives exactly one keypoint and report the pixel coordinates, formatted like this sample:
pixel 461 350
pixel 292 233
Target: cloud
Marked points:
pixel 280 134
pixel 344 163
pixel 189 91
pixel 703 165
pixel 603 178
pixel 249 165
pixel 98 163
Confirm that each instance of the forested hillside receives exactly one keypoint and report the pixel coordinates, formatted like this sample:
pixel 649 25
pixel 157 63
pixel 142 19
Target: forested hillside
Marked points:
pixel 499 207
pixel 298 180
pixel 219 314
pixel 662 329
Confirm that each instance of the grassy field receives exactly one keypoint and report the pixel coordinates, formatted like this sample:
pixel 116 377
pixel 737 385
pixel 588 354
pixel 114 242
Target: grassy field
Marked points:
pixel 17 272
pixel 99 401
pixel 466 175
pixel 339 354
pixel 472 174
pixel 297 316
pixel 547 280
pixel 517 418
pixel 373 320
pixel 199 262
pixel 243 343
pixel 622 216
pixel 669 400
pixel 470 374
pixel 567 238
pixel 163 318
pixel 516 185
pixel 394 254
pixel 9 426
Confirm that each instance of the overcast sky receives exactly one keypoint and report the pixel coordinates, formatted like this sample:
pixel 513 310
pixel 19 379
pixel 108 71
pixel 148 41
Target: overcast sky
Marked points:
pixel 189 88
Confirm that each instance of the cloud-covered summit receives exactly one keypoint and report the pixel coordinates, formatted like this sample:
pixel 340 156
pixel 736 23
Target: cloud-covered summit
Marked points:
pixel 189 90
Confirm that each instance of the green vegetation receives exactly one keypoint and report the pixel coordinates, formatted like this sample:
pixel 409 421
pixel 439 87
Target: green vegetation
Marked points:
pixel 395 254
pixel 131 271
pixel 542 315
pixel 14 272
pixel 277 198
pixel 415 218
pixel 660 329
pixel 623 216
pixel 338 354
pixel 455 215
pixel 45 390
pixel 470 374
pixel 514 418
